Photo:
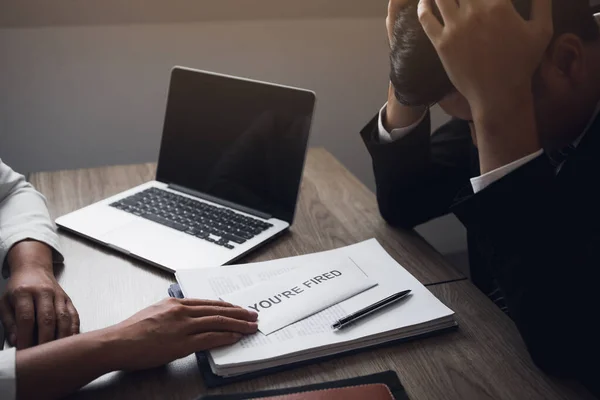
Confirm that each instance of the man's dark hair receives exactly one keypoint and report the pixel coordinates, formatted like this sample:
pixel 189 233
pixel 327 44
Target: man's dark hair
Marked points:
pixel 417 73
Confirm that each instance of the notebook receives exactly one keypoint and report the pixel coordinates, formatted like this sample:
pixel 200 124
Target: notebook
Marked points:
pixel 313 337
pixel 380 386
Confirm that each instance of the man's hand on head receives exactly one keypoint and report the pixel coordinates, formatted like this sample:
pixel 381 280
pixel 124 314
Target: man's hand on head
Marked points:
pixel 488 50
pixel 35 309
pixel 490 54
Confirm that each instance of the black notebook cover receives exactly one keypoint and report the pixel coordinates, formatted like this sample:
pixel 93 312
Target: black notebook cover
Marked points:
pixel 211 380
pixel 389 378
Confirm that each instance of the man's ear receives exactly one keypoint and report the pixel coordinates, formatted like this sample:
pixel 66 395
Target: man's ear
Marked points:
pixel 565 61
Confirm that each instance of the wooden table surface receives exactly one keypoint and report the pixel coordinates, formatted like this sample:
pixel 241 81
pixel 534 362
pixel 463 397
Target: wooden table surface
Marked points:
pixel 484 359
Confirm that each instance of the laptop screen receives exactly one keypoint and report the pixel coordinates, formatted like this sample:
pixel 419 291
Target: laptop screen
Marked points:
pixel 236 140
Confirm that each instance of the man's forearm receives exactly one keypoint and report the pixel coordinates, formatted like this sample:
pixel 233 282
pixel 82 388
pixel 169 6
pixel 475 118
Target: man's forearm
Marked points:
pixel 55 369
pixel 400 116
pixel 506 130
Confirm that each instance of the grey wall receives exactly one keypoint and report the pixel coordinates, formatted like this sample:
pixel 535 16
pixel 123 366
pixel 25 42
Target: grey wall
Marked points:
pixel 79 95
pixel 35 13
pixel 85 96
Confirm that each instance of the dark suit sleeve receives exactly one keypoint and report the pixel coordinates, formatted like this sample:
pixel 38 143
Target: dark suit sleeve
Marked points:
pixel 419 175
pixel 544 251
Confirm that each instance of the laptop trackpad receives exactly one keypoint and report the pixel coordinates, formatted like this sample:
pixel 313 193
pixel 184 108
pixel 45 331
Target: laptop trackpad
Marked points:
pixel 165 246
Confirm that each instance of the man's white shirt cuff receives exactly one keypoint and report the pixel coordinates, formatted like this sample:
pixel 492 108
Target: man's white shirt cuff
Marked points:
pixel 8 381
pixel 398 133
pixel 481 182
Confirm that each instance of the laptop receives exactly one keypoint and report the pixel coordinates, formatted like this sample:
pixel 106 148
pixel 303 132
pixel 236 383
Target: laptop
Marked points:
pixel 228 175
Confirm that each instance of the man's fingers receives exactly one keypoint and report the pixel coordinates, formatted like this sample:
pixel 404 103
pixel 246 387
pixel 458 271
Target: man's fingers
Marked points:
pixel 208 303
pixel 448 9
pixel 230 312
pixel 541 15
pixel 75 322
pixel 25 317
pixel 7 318
pixel 219 323
pixel 46 316
pixel 212 340
pixel 63 318
pixel 432 26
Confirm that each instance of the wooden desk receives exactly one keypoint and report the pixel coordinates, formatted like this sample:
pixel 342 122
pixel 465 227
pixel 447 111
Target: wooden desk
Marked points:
pixel 484 359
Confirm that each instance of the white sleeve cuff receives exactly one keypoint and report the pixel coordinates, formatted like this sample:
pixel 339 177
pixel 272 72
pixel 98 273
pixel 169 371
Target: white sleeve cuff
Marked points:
pixel 8 381
pixel 398 133
pixel 481 182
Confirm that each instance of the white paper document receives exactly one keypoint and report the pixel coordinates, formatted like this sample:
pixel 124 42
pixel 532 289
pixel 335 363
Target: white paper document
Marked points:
pixel 301 293
pixel 313 336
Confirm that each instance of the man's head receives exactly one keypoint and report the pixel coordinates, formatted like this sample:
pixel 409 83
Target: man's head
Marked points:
pixel 566 77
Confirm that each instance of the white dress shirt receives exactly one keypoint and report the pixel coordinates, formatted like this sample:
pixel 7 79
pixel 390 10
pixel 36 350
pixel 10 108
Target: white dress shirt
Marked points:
pixel 23 215
pixel 480 182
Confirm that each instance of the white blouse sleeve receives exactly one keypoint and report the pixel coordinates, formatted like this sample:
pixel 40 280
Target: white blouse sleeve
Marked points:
pixel 23 215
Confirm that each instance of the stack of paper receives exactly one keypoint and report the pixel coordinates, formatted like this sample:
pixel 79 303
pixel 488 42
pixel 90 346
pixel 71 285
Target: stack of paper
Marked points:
pixel 313 337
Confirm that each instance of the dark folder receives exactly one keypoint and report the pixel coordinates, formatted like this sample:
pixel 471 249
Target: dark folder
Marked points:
pixel 389 378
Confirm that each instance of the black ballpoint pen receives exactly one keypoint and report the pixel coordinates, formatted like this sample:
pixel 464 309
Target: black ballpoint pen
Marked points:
pixel 370 309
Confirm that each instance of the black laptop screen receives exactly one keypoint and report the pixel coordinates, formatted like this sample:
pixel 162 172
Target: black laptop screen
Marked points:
pixel 237 140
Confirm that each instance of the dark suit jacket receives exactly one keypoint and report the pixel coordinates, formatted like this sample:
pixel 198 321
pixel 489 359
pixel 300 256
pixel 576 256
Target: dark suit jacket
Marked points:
pixel 533 234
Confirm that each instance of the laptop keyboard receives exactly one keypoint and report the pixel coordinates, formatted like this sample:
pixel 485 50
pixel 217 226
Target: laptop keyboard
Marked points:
pixel 218 225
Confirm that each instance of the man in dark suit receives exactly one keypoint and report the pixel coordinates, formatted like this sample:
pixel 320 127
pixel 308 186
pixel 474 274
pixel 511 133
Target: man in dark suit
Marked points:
pixel 518 164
